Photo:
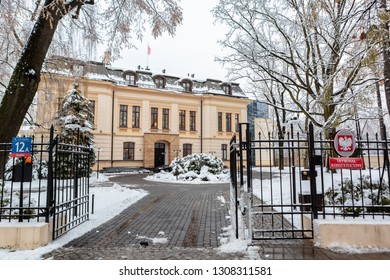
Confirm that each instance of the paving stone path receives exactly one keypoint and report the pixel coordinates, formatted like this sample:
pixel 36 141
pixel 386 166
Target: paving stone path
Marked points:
pixel 172 216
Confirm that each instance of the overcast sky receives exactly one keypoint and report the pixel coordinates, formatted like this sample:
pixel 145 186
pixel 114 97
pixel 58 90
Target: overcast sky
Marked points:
pixel 191 51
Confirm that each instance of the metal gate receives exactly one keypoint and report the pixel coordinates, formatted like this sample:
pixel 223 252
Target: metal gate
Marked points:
pixel 70 179
pixel 273 200
pixel 281 183
pixel 54 188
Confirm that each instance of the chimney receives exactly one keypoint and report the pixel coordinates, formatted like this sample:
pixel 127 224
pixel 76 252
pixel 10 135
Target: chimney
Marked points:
pixel 107 58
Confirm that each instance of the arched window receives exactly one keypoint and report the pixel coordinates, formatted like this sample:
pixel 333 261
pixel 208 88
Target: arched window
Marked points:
pixel 187 85
pixel 159 81
pixel 130 77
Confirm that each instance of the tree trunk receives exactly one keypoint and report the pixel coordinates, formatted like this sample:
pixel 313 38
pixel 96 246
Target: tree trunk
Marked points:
pixel 386 54
pixel 25 78
pixel 382 127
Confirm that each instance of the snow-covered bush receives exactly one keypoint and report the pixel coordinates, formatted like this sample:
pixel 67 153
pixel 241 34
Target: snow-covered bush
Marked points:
pixel 197 163
pixel 7 201
pixel 194 169
pixel 352 195
pixel 39 168
pixel 198 167
pixel 4 196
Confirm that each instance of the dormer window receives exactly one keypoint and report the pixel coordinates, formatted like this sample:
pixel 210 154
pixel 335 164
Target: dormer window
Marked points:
pixel 187 85
pixel 159 81
pixel 227 88
pixel 130 77
pixel 77 69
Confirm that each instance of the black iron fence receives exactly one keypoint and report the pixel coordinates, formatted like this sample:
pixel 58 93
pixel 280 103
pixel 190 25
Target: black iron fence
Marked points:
pixel 289 181
pixel 353 192
pixel 50 186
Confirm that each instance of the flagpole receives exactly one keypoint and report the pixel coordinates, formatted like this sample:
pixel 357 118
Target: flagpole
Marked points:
pixel 147 57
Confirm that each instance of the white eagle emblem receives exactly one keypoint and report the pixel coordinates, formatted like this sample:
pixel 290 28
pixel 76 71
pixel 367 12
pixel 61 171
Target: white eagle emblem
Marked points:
pixel 345 143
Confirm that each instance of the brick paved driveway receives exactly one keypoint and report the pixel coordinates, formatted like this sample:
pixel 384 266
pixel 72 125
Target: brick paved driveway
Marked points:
pixel 185 216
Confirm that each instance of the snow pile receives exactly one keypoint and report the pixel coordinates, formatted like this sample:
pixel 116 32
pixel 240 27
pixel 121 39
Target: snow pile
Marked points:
pixel 195 168
pixel 96 178
pixel 230 244
pixel 221 199
pixel 161 239
pixel 109 202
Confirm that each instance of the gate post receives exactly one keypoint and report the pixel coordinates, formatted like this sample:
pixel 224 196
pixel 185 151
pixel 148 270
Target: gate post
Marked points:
pixel 49 197
pixel 77 150
pixel 312 172
pixel 249 162
pixel 233 181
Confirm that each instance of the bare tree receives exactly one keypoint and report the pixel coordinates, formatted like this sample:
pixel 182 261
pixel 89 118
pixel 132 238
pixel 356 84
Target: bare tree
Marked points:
pixel 318 46
pixel 117 21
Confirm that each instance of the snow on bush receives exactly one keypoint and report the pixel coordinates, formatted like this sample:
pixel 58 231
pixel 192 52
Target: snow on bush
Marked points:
pixel 195 168
pixel 351 196
pixel 10 203
pixel 198 163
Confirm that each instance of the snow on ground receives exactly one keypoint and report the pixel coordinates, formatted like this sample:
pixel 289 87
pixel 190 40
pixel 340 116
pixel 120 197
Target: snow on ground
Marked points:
pixel 121 197
pixel 184 179
pixel 349 249
pixel 230 244
pixel 221 199
pixel 109 202
pixel 114 174
pixel 278 191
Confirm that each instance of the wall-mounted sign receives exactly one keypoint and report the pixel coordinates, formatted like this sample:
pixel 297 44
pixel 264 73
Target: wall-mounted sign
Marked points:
pixel 344 143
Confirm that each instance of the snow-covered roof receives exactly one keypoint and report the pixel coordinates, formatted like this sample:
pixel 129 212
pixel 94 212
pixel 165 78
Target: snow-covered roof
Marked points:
pixel 145 79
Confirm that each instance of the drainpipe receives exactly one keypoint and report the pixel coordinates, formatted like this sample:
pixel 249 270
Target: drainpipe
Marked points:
pixel 201 126
pixel 112 128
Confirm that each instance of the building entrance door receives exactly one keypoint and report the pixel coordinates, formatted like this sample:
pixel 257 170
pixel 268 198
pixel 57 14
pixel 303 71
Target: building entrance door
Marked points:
pixel 159 154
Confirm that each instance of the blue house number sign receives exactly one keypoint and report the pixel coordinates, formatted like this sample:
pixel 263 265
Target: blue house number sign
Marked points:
pixel 21 147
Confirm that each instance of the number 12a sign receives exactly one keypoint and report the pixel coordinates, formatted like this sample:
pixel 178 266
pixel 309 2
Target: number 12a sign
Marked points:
pixel 21 147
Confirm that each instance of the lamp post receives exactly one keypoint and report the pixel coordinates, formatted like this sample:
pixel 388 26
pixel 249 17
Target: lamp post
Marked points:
pixel 98 158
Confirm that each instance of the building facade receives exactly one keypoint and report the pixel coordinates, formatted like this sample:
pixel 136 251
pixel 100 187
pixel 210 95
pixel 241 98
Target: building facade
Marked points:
pixel 145 119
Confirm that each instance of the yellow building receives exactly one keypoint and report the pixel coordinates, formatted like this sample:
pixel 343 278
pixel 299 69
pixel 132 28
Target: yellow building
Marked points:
pixel 146 119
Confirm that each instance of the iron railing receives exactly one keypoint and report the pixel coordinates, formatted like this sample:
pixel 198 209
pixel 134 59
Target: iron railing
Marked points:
pixel 53 187
pixel 289 179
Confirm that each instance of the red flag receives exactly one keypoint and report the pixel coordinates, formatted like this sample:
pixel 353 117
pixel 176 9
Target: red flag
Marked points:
pixel 149 50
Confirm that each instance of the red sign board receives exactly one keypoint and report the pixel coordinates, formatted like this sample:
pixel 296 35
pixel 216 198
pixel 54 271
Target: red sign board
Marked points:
pixel 346 163
pixel 344 143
